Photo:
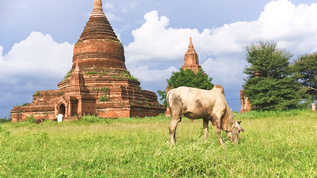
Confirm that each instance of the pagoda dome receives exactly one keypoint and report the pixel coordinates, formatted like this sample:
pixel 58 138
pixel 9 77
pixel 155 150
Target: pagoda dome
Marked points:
pixel 98 47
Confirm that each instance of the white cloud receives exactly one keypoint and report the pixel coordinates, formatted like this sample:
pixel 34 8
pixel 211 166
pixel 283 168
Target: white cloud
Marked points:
pixel 111 17
pixel 108 6
pixel 225 71
pixel 38 56
pixel 1 50
pixel 144 74
pixel 154 41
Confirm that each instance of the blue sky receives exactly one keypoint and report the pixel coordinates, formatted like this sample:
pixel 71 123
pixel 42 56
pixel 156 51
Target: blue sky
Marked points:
pixel 37 37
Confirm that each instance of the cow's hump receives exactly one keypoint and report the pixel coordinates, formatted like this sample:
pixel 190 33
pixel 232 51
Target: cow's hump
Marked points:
pixel 219 87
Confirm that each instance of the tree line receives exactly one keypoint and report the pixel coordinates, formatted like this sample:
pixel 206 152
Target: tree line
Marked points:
pixel 273 80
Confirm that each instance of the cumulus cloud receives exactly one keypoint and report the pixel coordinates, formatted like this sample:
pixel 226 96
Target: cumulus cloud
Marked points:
pixel 153 40
pixel 38 55
pixel 226 71
pixel 36 63
pixel 144 74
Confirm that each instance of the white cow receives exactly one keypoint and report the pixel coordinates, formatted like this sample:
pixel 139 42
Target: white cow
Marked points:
pixel 210 105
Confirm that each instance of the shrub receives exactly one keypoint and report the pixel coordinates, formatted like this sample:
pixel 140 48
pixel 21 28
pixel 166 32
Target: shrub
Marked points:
pixel 105 90
pixel 5 119
pixel 68 75
pixel 30 119
pixel 91 72
pixel 133 78
pixel 103 98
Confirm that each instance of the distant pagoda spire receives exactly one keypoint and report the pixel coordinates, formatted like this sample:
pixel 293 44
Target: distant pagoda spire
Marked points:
pixel 191 46
pixel 191 58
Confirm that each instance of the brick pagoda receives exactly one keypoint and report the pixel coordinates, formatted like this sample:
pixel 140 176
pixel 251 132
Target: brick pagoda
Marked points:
pixel 191 60
pixel 98 84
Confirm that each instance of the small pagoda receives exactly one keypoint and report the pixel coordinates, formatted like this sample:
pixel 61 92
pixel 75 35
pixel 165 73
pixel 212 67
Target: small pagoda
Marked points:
pixel 191 60
pixel 98 84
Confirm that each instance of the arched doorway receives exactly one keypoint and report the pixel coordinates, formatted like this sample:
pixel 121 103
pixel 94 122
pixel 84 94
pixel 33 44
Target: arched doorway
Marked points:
pixel 61 109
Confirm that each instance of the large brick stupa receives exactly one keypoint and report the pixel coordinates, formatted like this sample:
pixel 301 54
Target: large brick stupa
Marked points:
pixel 98 84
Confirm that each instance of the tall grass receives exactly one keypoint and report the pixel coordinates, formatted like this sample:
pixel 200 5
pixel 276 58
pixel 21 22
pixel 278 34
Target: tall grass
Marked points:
pixel 5 119
pixel 282 144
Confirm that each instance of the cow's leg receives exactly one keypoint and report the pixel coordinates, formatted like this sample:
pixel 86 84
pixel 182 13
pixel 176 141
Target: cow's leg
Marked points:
pixel 205 123
pixel 172 129
pixel 218 130
pixel 217 118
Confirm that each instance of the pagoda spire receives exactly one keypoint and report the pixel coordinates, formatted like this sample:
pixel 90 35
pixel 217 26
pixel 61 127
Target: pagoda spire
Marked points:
pixel 190 46
pixel 97 11
pixel 191 60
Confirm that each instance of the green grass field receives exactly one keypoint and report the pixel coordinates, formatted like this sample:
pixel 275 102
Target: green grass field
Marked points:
pixel 274 144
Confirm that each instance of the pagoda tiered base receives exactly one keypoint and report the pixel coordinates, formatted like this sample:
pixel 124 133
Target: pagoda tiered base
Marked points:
pixel 122 98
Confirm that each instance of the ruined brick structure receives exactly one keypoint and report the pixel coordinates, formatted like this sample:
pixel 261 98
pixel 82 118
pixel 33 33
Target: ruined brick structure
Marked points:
pixel 98 83
pixel 191 62
pixel 245 103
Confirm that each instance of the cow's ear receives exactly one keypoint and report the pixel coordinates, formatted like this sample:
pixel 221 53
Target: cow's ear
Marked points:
pixel 238 126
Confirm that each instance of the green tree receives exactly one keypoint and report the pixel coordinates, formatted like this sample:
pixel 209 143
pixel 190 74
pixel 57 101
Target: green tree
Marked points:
pixel 186 78
pixel 270 83
pixel 305 68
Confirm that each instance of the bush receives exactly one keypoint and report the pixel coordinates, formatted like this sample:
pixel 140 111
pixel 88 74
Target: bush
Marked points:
pixel 5 119
pixel 105 90
pixel 37 94
pixel 30 119
pixel 103 98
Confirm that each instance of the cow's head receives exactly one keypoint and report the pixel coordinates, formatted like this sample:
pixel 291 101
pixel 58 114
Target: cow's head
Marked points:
pixel 234 130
